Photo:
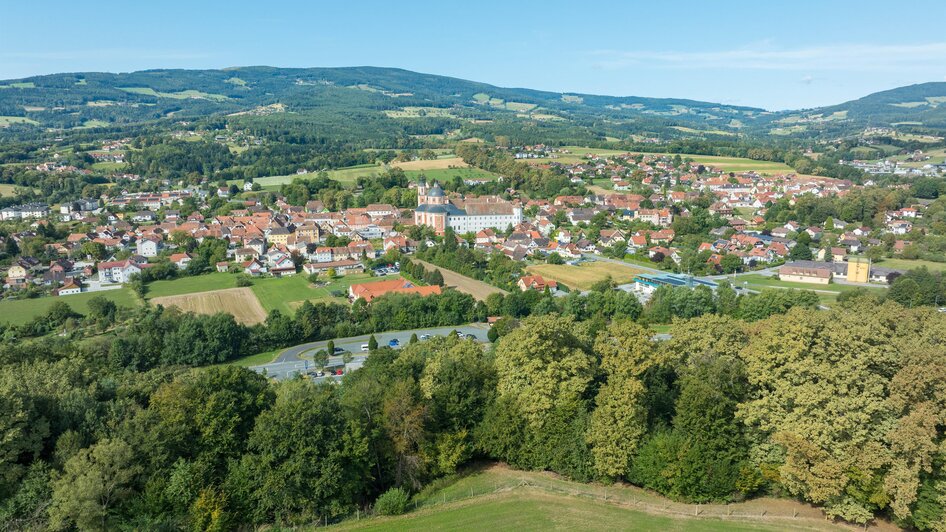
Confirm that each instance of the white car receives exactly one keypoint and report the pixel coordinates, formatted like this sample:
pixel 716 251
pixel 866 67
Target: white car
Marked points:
pixel 425 337
pixel 365 348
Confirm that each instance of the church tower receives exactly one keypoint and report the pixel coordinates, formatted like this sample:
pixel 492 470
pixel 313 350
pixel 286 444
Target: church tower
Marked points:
pixel 422 191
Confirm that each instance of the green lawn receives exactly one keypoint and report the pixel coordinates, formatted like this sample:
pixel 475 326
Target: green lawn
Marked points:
pixel 21 311
pixel 279 293
pixel 905 264
pixel 761 281
pixel 254 360
pixel 189 285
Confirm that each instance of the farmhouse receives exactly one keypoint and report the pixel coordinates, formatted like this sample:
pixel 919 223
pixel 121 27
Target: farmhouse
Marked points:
pixel 537 283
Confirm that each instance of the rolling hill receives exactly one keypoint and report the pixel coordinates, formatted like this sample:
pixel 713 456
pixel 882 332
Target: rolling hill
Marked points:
pixel 411 103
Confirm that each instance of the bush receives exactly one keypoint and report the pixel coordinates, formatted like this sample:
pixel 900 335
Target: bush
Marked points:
pixel 392 502
pixel 244 280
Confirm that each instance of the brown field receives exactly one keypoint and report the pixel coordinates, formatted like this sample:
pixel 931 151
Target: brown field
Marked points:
pixel 478 289
pixel 240 302
pixel 434 164
pixel 586 274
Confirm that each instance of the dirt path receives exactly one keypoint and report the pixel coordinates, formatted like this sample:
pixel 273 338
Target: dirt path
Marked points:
pixel 478 289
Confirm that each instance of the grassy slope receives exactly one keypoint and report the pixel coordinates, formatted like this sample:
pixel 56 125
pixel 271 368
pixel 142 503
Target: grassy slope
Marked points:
pixel 189 285
pixel 499 498
pixel 21 311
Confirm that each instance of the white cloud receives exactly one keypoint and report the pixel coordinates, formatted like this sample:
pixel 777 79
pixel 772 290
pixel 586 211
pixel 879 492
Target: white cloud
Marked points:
pixel 849 57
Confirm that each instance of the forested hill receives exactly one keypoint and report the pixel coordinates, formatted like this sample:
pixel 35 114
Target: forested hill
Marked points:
pixel 378 99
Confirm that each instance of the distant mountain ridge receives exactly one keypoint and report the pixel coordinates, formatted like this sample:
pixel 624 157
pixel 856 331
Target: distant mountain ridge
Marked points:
pixel 76 100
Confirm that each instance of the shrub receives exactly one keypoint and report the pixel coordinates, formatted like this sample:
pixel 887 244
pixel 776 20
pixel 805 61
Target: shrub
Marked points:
pixel 244 280
pixel 392 502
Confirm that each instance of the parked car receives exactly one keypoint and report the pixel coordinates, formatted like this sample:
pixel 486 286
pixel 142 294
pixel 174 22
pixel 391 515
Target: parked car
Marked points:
pixel 339 351
pixel 394 343
pixel 364 347
pixel 425 337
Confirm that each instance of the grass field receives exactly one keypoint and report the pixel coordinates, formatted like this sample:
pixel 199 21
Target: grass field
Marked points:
pixel 447 174
pixel 188 285
pixel 21 311
pixel 349 175
pixel 284 294
pixel 240 302
pixel 499 498
pixel 109 166
pixel 182 95
pixel 287 293
pixel 763 281
pixel 586 274
pixel 10 120
pixel 726 164
pixel 905 264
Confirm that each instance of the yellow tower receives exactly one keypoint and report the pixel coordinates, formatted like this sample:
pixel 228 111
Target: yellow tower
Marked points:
pixel 858 269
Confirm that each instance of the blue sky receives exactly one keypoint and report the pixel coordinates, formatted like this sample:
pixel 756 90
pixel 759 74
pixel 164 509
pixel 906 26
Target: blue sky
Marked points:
pixel 801 54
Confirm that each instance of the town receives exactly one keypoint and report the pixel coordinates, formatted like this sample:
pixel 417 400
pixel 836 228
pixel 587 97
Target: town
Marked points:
pixel 632 216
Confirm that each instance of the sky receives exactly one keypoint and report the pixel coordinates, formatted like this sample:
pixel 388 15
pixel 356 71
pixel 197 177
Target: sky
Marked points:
pixel 761 54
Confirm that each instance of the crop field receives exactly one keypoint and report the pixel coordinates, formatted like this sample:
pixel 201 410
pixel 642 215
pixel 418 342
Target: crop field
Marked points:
pixel 586 274
pixel 20 311
pixel 500 498
pixel 240 302
pixel 431 164
pixel 478 289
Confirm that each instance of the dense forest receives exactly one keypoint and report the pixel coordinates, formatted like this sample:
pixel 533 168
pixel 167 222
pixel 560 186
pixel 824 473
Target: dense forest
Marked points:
pixel 841 408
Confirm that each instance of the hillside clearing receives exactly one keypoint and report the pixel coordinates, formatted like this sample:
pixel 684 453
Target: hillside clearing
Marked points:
pixel 239 302
pixel 496 497
pixel 585 275
pixel 20 311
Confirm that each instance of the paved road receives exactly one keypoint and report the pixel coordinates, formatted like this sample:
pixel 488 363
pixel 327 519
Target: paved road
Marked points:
pixel 298 359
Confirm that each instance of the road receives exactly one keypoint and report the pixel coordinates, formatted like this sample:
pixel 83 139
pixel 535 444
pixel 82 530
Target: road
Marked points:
pixel 297 359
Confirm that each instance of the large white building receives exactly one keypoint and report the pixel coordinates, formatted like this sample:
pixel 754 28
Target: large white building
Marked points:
pixel 463 215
